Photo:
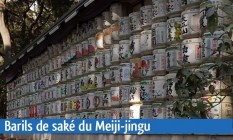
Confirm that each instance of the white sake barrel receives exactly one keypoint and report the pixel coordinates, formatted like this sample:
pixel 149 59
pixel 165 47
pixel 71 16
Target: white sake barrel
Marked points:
pixel 106 97
pixel 99 80
pixel 106 78
pixel 174 7
pixel 115 113
pixel 115 95
pixel 146 90
pixel 159 34
pixel 146 40
pixel 91 64
pixel 159 63
pixel 146 16
pixel 147 65
pixel 135 66
pixel 190 23
pixel 191 51
pixel 114 53
pixel 115 74
pixel 79 70
pixel 159 9
pixel 99 59
pixel 124 94
pixel 169 110
pixel 90 100
pixel 84 83
pixel 124 28
pixel 145 112
pixel 158 111
pixel 125 72
pixel 124 50
pixel 98 99
pixel 135 44
pixel 107 57
pixel 170 89
pixel 173 56
pixel 134 92
pixel 158 87
pixel 91 45
pixel 174 29
pixel 85 65
pixel 85 48
pixel 135 21
pixel 91 81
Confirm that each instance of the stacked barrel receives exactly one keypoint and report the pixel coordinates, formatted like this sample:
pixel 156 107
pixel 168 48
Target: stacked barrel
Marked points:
pixel 121 64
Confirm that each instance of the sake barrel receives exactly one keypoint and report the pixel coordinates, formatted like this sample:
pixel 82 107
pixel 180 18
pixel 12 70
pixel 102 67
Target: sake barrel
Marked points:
pixel 115 95
pixel 146 91
pixel 173 57
pixel 146 16
pixel 124 49
pixel 147 66
pixel 191 51
pixel 174 29
pixel 124 27
pixel 145 112
pixel 159 9
pixel 134 92
pixel 125 72
pixel 170 88
pixel 145 41
pixel 174 7
pixel 135 21
pixel 190 23
pixel 158 111
pixel 158 87
pixel 124 94
pixel 135 44
pixel 159 34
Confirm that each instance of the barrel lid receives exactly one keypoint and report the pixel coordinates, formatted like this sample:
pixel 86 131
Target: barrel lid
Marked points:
pixel 159 78
pixel 159 24
pixel 170 75
pixel 135 83
pixel 176 19
pixel 191 11
pixel 115 88
pixel 145 81
pixel 147 57
pixel 146 7
pixel 173 47
pixel 193 40
pixel 159 51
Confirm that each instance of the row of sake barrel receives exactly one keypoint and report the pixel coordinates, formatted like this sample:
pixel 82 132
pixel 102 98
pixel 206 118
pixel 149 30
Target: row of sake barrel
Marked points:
pixel 155 110
pixel 123 73
pixel 145 90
